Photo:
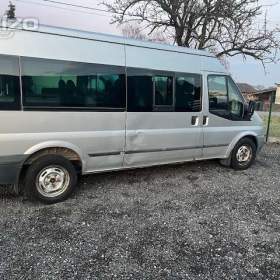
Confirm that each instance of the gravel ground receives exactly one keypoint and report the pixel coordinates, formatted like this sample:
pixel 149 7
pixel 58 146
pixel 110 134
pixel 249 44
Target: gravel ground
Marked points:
pixel 191 221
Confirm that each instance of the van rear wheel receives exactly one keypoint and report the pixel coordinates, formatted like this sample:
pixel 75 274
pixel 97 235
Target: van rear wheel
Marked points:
pixel 51 179
pixel 244 154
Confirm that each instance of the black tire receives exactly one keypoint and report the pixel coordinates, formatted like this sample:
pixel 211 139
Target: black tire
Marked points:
pixel 52 168
pixel 252 150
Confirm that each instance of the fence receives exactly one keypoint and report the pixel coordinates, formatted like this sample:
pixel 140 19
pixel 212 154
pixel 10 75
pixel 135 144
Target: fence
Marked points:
pixel 271 117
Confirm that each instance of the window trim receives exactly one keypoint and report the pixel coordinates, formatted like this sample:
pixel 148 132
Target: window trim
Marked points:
pixel 72 109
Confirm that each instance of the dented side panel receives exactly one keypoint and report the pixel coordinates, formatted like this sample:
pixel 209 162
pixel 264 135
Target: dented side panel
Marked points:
pixel 160 137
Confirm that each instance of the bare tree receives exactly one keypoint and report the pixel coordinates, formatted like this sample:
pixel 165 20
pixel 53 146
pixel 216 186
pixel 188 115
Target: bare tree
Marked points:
pixel 224 27
pixel 134 31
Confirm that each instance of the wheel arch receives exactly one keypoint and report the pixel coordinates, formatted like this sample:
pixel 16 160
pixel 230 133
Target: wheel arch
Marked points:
pixel 65 149
pixel 251 135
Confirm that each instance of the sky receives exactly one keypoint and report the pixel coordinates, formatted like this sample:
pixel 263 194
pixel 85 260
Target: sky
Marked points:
pixel 249 71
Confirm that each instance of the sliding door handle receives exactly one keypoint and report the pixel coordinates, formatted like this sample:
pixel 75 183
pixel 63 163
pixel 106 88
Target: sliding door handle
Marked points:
pixel 195 120
pixel 205 120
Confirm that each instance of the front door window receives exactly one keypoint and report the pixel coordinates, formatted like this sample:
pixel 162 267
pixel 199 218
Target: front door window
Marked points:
pixel 236 102
pixel 224 98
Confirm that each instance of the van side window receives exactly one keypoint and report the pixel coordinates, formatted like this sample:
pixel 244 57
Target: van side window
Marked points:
pixel 188 93
pixel 140 92
pixel 63 84
pixel 9 83
pixel 224 98
pixel 163 90
pixel 218 97
pixel 152 91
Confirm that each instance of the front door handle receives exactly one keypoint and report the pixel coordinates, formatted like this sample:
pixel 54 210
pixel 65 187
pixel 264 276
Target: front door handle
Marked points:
pixel 205 120
pixel 195 120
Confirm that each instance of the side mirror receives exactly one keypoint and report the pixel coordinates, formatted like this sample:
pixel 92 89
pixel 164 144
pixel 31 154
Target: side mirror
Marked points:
pixel 250 109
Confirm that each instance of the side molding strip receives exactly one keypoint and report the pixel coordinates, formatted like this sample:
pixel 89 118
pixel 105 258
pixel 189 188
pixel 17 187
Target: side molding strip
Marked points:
pixel 156 150
pixel 162 150
pixel 105 154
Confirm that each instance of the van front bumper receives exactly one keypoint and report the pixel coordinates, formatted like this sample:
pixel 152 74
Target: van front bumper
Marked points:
pixel 10 167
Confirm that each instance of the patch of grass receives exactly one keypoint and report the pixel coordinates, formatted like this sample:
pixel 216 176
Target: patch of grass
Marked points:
pixel 276 108
pixel 274 126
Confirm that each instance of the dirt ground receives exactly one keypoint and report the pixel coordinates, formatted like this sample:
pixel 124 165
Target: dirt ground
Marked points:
pixel 190 221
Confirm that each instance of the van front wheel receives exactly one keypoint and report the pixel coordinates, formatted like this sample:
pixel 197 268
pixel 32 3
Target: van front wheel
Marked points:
pixel 51 179
pixel 244 154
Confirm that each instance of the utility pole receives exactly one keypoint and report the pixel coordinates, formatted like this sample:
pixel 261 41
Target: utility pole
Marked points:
pixel 11 12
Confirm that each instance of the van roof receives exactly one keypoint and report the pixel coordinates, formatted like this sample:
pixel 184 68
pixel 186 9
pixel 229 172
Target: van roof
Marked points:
pixel 82 34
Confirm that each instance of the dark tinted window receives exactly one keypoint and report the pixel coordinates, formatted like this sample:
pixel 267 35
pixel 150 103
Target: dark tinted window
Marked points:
pixel 149 92
pixel 9 83
pixel 139 91
pixel 188 93
pixel 163 86
pixel 51 83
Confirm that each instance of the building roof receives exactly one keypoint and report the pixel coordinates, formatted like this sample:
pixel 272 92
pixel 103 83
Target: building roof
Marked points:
pixel 246 88
pixel 267 90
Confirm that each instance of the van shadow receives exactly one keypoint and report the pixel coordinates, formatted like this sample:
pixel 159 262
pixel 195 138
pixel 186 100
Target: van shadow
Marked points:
pixel 123 179
pixel 146 174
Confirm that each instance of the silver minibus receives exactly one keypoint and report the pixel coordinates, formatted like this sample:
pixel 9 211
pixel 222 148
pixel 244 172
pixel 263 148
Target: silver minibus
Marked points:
pixel 74 102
